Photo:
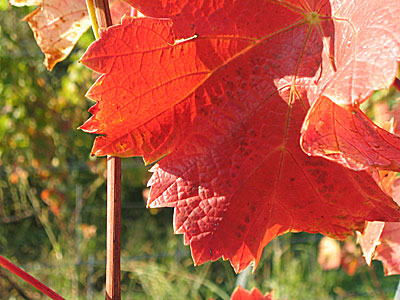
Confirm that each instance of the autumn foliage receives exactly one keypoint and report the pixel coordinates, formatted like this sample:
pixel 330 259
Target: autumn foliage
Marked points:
pixel 251 110
pixel 234 95
pixel 59 24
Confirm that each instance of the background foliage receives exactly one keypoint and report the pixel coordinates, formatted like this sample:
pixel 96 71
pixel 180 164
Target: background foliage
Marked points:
pixel 52 202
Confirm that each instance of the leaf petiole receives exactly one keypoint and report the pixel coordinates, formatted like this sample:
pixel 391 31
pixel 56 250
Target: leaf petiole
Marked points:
pixel 92 13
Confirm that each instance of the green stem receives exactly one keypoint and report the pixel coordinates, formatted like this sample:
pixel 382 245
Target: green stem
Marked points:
pixel 92 13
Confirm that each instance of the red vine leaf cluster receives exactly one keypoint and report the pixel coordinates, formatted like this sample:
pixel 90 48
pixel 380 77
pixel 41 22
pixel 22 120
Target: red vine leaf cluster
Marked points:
pixel 233 93
pixel 238 95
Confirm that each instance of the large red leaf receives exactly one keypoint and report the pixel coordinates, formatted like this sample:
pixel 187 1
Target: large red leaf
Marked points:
pixel 228 105
pixel 153 85
pixel 350 65
pixel 361 42
pixel 236 189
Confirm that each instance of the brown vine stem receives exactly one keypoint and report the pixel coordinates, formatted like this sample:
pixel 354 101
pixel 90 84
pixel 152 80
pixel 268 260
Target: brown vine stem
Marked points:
pixel 113 264
pixel 30 279
pixel 103 13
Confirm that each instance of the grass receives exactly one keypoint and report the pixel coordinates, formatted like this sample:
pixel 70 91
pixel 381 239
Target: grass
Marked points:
pixel 67 251
pixel 161 268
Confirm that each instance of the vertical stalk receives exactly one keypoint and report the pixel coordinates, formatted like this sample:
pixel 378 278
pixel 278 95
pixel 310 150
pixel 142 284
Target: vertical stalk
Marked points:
pixel 113 266
pixel 92 15
pixel 103 13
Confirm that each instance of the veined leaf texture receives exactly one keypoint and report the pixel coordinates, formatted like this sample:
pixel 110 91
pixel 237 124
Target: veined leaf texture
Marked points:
pixel 255 106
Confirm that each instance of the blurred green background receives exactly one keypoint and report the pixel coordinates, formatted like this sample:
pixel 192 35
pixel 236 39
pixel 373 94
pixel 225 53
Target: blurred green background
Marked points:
pixel 53 203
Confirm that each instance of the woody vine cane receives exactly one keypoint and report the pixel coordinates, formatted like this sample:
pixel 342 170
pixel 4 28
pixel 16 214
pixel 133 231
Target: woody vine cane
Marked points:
pixel 101 18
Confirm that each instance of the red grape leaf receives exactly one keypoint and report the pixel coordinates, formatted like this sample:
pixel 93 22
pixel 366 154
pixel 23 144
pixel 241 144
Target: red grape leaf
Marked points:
pixel 364 61
pixel 341 41
pixel 381 240
pixel 348 137
pixel 255 294
pixel 355 62
pixel 388 251
pixel 58 25
pixel 363 51
pixel 369 239
pixel 228 106
pixel 228 18
pixel 159 69
pixel 236 189
pixel 386 178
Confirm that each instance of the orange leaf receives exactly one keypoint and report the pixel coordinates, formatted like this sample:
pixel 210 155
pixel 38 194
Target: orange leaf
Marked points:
pixel 58 24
